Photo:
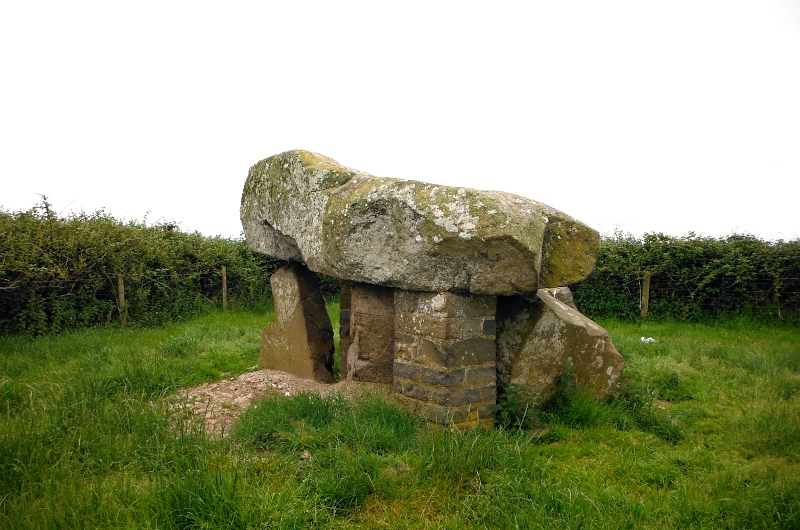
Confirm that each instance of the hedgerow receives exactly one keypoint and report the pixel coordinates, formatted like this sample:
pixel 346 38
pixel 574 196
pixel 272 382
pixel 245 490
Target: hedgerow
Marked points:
pixel 694 278
pixel 60 273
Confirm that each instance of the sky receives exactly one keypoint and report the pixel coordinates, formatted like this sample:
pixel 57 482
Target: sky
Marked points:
pixel 659 116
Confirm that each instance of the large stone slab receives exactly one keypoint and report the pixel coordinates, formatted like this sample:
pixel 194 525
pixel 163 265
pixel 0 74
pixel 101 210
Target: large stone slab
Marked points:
pixel 539 338
pixel 304 207
pixel 300 341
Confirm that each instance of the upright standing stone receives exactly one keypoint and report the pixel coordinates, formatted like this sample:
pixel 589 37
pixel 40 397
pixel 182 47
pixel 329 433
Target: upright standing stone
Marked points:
pixel 300 341
pixel 370 355
pixel 345 338
pixel 444 367
pixel 540 340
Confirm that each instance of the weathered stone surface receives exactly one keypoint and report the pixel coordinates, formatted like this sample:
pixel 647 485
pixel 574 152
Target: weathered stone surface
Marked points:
pixel 444 356
pixel 345 339
pixel 371 353
pixel 304 207
pixel 300 341
pixel 563 294
pixel 538 340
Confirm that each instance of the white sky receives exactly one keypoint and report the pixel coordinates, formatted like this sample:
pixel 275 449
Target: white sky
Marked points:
pixel 669 116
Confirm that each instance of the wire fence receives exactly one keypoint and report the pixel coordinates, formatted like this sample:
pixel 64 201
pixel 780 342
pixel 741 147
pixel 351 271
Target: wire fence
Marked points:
pixel 54 304
pixel 39 305
pixel 632 296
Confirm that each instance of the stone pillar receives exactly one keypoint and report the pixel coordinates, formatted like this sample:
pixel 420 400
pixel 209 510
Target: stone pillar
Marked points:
pixel 369 357
pixel 345 338
pixel 300 341
pixel 445 356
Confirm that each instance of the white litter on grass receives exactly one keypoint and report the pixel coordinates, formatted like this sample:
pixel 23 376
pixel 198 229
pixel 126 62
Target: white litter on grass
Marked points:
pixel 648 340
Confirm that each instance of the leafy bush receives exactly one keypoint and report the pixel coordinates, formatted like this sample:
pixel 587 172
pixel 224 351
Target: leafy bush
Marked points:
pixel 693 278
pixel 62 273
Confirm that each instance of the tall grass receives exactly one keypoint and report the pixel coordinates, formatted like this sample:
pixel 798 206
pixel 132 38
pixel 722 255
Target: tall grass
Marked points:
pixel 705 435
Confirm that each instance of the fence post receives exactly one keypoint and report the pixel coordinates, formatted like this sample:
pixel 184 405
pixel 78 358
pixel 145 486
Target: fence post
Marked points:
pixel 645 302
pixel 123 310
pixel 224 288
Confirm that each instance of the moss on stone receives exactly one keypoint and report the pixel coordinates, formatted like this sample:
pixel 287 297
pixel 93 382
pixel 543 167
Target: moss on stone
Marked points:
pixel 410 234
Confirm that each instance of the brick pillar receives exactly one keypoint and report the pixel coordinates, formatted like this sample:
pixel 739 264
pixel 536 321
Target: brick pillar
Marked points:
pixel 445 356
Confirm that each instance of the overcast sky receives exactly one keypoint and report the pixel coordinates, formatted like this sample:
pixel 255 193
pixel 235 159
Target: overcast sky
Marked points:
pixel 644 116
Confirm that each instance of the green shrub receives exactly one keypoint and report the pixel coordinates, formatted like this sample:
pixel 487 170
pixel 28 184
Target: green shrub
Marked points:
pixel 693 278
pixel 62 273
pixel 518 407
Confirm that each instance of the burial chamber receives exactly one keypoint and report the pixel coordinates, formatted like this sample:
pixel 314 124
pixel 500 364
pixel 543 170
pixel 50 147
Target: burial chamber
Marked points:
pixel 447 292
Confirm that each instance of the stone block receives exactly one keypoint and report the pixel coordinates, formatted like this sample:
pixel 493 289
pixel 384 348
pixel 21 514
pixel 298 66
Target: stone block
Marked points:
pixel 300 341
pixel 454 398
pixel 415 391
pixel 452 378
pixel 563 295
pixel 445 304
pixel 482 375
pixel 372 318
pixel 469 352
pixel 410 371
pixel 345 339
pixel 422 325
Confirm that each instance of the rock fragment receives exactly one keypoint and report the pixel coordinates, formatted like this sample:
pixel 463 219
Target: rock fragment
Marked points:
pixel 540 340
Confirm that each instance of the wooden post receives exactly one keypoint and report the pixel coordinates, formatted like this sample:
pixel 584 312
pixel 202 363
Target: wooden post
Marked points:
pixel 224 287
pixel 123 310
pixel 645 293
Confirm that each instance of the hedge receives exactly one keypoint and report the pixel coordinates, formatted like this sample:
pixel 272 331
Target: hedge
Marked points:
pixel 61 273
pixel 694 278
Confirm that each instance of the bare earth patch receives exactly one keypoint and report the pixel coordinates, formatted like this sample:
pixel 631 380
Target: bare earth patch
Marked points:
pixel 219 404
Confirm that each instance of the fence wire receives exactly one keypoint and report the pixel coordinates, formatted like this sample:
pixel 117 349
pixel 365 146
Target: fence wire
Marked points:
pixel 622 296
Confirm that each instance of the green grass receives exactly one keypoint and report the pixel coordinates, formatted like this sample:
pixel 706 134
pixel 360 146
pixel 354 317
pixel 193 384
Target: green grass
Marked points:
pixel 706 434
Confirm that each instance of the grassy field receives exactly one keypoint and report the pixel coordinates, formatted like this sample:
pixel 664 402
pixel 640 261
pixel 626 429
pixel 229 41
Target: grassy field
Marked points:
pixel 706 435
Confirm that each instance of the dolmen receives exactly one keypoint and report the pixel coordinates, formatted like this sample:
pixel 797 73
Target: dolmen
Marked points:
pixel 447 292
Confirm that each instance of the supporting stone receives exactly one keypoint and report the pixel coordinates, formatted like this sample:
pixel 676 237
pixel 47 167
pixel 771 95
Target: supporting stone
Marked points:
pixel 444 366
pixel 539 340
pixel 300 341
pixel 369 357
pixel 345 338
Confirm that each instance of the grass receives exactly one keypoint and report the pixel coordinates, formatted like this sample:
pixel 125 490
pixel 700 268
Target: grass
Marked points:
pixel 705 435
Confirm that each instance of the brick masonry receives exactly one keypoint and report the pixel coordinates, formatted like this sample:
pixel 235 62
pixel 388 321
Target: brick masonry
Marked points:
pixel 445 356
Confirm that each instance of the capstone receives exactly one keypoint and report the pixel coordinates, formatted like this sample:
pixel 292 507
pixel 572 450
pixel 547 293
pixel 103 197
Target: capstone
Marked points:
pixel 305 207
